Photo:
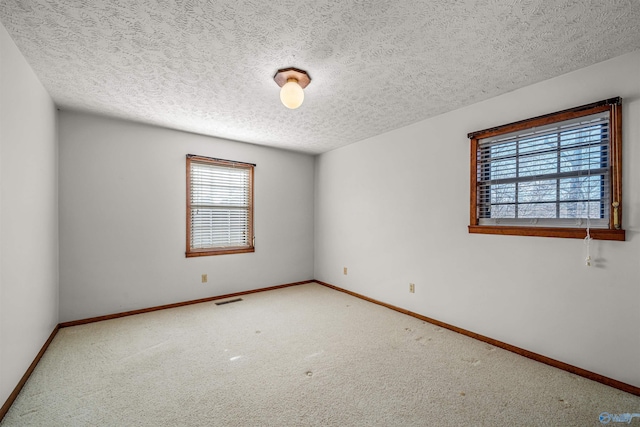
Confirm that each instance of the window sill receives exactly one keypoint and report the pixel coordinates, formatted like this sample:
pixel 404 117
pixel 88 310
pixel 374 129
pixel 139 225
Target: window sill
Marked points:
pixel 223 251
pixel 571 233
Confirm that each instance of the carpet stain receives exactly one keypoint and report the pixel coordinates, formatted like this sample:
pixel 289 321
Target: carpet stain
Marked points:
pixel 257 332
pixel 471 361
pixel 462 393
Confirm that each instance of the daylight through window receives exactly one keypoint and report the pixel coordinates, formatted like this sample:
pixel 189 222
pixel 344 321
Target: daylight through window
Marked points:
pixel 559 171
pixel 219 206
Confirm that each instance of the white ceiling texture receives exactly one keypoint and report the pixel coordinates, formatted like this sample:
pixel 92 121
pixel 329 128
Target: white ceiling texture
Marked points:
pixel 207 66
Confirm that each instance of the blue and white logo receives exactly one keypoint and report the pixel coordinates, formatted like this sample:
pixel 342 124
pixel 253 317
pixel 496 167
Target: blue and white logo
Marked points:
pixel 606 418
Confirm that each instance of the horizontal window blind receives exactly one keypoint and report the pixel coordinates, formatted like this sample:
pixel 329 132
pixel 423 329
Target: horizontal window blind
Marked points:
pixel 220 205
pixel 556 175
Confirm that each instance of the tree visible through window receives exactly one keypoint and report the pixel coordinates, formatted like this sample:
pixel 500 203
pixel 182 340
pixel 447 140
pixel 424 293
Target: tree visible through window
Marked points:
pixel 554 175
pixel 219 206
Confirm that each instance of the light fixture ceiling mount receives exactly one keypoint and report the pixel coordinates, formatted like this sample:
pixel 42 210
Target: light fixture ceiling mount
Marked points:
pixel 292 81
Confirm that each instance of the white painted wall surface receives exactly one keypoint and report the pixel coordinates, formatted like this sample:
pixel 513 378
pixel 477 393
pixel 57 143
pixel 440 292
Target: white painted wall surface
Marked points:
pixel 28 216
pixel 394 209
pixel 123 213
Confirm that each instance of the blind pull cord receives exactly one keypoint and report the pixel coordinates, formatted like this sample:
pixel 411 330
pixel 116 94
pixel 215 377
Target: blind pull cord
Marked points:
pixel 616 221
pixel 616 186
pixel 587 240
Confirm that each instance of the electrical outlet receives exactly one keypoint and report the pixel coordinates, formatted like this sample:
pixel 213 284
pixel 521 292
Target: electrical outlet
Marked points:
pixel 204 278
pixel 412 288
pixel 344 271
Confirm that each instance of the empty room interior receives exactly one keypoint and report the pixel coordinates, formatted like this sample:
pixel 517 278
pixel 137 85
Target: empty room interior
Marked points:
pixel 355 181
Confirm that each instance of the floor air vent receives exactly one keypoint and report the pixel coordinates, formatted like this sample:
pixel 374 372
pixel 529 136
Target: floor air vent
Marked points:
pixel 229 301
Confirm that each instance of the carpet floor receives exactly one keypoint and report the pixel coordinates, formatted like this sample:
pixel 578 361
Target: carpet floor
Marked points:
pixel 305 355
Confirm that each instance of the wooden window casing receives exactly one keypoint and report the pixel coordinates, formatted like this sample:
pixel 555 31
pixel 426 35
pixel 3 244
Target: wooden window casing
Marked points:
pixel 244 209
pixel 614 230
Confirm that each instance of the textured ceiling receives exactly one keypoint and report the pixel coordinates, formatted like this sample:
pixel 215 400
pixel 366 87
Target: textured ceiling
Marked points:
pixel 207 66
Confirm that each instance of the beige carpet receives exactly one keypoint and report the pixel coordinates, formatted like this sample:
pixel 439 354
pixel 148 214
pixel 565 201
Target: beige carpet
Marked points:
pixel 300 356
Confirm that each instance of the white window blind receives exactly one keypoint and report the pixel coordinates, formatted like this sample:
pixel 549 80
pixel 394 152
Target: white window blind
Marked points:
pixel 220 205
pixel 557 175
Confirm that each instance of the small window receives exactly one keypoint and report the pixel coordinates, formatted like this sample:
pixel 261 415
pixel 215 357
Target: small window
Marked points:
pixel 554 175
pixel 219 206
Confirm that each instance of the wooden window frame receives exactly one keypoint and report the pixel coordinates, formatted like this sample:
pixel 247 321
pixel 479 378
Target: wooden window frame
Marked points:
pixel 614 107
pixel 190 252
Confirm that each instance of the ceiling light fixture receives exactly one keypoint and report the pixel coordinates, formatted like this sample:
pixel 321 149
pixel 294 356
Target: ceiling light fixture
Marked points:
pixel 292 81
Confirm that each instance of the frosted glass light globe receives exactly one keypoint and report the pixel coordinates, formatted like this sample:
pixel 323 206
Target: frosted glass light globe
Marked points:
pixel 291 94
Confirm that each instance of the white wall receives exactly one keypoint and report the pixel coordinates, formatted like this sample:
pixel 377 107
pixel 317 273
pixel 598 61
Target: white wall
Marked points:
pixel 394 209
pixel 28 216
pixel 123 213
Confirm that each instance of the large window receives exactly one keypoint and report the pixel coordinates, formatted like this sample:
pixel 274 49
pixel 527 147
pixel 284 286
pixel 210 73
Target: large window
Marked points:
pixel 219 206
pixel 554 175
